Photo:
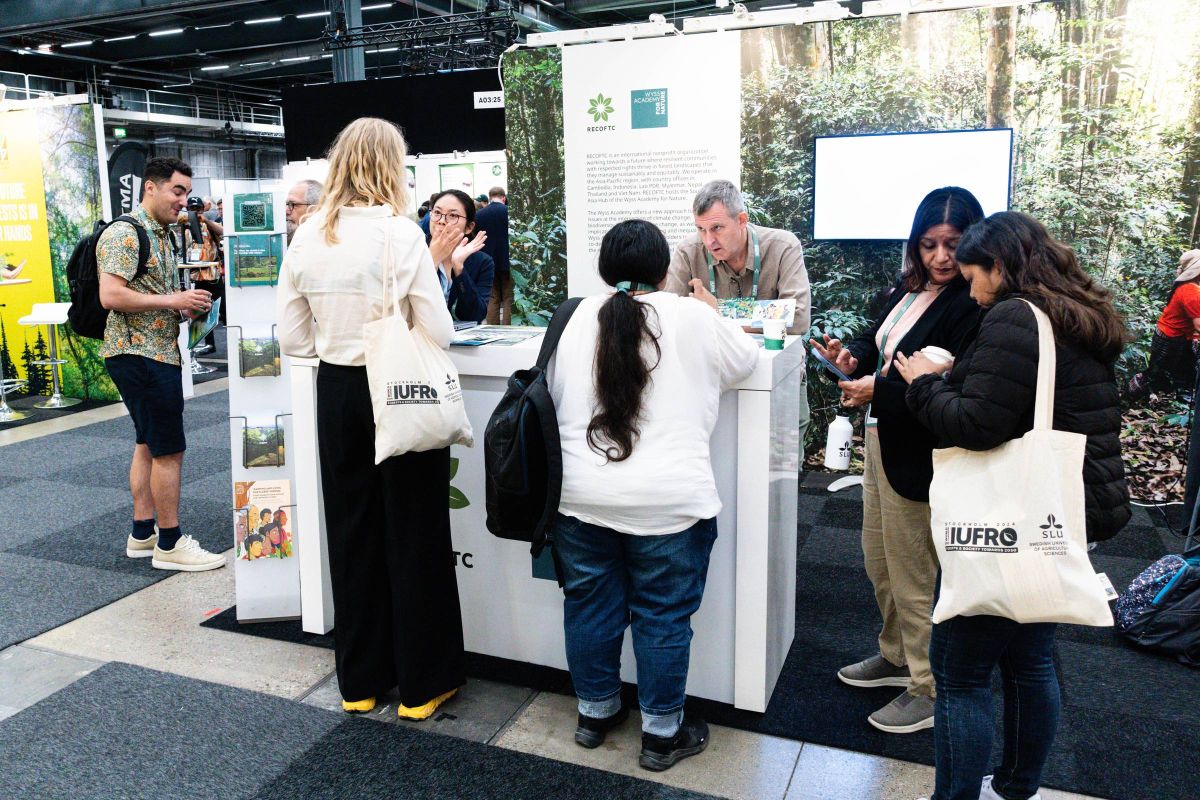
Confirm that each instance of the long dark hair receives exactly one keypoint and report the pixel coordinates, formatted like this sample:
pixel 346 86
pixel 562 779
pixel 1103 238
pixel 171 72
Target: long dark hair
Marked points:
pixel 637 251
pixel 949 205
pixel 1036 266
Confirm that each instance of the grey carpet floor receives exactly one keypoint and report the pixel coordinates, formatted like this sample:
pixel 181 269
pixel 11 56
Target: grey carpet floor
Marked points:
pixel 128 732
pixel 65 511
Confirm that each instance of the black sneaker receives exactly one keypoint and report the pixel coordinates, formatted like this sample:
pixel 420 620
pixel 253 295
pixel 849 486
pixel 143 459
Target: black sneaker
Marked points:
pixel 591 731
pixel 660 753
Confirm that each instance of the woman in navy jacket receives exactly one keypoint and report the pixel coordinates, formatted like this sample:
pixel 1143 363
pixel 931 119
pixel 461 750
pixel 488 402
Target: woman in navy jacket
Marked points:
pixel 464 271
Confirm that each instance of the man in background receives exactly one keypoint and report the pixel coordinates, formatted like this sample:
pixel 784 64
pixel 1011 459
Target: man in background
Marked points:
pixel 728 257
pixel 493 220
pixel 301 200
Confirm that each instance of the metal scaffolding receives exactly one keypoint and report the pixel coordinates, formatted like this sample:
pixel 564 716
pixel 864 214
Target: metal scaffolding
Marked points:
pixel 433 44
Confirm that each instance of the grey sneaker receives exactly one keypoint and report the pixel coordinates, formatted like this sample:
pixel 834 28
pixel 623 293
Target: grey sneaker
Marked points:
pixel 875 671
pixel 908 713
pixel 986 792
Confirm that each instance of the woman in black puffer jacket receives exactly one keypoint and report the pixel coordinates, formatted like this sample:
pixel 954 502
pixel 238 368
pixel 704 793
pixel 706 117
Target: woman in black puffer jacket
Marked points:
pixel 986 400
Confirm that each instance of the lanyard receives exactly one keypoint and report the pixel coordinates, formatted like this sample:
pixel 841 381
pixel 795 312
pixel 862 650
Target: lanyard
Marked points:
pixel 895 319
pixel 712 271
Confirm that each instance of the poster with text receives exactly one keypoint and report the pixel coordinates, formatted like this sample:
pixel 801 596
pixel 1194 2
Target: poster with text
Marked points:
pixel 256 259
pixel 50 196
pixel 458 176
pixel 262 526
pixel 641 137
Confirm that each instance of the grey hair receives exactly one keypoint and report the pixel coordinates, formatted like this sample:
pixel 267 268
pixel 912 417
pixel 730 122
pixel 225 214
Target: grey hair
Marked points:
pixel 718 191
pixel 312 191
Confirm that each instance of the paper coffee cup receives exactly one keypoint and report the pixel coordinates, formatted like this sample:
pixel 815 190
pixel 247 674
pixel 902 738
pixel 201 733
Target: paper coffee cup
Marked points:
pixel 938 355
pixel 773 331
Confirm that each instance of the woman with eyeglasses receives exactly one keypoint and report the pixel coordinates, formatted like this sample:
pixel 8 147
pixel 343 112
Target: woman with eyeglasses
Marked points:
pixel 464 271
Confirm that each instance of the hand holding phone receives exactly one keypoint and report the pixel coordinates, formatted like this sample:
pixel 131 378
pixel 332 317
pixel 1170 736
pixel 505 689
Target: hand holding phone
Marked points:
pixel 829 365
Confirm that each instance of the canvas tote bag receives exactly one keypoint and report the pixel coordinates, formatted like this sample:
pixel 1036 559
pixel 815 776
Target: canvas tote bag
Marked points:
pixel 416 395
pixel 1009 524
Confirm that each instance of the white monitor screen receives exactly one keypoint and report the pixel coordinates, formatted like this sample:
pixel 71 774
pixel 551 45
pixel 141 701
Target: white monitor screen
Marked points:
pixel 869 187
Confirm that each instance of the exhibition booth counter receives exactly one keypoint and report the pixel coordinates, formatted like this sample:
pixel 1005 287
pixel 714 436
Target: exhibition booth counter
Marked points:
pixel 511 604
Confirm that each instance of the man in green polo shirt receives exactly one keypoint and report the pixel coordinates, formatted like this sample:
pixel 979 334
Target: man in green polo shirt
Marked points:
pixel 728 257
pixel 142 358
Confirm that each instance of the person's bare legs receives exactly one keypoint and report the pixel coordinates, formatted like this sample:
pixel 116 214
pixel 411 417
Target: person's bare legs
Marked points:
pixel 139 483
pixel 164 485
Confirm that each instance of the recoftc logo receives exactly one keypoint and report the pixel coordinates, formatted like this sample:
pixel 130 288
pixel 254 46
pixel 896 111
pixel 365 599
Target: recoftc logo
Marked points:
pixel 976 537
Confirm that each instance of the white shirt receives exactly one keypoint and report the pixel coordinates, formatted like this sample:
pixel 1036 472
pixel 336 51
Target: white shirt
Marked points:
pixel 326 293
pixel 666 485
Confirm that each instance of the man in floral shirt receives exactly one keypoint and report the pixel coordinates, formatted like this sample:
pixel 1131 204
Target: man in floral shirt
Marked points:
pixel 142 358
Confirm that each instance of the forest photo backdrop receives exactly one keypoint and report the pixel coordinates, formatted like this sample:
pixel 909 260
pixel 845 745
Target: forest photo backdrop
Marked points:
pixel 1104 100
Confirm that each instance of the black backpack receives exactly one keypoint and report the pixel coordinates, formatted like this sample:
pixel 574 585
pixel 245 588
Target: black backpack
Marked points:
pixel 86 315
pixel 522 456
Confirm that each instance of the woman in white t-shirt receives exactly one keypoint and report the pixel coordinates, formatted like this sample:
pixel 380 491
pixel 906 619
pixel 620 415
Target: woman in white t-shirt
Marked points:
pixel 636 382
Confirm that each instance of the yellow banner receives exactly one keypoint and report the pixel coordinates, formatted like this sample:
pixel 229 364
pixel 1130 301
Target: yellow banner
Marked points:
pixel 26 276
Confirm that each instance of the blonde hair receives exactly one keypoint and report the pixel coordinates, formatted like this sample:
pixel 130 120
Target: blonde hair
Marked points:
pixel 366 165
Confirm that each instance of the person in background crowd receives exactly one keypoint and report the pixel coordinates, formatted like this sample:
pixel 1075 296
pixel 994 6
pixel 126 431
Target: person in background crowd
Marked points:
pixel 142 357
pixel 422 212
pixel 636 381
pixel 216 212
pixel 728 257
pixel 1172 355
pixel 391 560
pixel 987 400
pixel 492 219
pixel 930 305
pixel 210 279
pixel 480 201
pixel 464 272
pixel 302 199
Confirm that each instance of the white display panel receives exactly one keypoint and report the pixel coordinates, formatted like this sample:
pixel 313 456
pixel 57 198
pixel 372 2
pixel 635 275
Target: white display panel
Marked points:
pixel 868 187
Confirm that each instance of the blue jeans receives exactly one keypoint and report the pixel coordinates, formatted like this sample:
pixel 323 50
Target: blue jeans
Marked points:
pixel 963 652
pixel 615 580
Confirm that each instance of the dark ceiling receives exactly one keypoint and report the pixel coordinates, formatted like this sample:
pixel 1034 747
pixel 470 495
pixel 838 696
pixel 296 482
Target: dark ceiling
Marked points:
pixel 251 48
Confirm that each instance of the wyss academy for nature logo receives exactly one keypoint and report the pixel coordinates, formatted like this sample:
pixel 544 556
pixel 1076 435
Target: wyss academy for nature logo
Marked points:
pixel 600 108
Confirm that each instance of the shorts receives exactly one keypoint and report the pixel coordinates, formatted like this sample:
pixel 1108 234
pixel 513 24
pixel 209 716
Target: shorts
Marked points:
pixel 153 393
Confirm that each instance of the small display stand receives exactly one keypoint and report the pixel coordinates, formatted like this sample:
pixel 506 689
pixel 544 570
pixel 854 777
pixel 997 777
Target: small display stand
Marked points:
pixel 264 529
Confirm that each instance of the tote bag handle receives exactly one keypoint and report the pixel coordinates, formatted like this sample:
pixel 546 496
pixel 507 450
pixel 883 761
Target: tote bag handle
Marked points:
pixel 1043 408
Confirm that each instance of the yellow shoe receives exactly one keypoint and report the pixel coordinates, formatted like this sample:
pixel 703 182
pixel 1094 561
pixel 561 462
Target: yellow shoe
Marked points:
pixel 425 711
pixel 358 706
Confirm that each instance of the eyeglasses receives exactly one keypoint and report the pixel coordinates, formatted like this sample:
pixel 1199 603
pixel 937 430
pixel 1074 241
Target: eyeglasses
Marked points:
pixel 290 205
pixel 453 218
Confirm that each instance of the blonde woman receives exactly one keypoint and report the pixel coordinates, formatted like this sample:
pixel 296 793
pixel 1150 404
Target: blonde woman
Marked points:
pixel 390 557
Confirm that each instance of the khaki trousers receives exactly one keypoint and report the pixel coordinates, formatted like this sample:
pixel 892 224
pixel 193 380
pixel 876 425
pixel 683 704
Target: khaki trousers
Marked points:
pixel 499 310
pixel 902 564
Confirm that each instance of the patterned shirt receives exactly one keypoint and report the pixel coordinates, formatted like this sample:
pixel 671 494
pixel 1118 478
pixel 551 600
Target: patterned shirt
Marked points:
pixel 151 334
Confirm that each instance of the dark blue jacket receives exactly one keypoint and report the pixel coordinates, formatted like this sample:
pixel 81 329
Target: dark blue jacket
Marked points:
pixel 470 291
pixel 493 219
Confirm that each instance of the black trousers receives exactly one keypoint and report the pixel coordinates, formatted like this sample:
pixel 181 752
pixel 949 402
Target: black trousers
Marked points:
pixel 395 596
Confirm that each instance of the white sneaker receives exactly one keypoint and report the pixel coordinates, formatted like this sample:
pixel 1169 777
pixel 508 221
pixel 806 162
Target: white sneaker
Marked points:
pixel 986 792
pixel 141 548
pixel 187 556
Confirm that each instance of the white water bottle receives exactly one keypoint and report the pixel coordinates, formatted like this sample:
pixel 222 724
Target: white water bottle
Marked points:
pixel 837 444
